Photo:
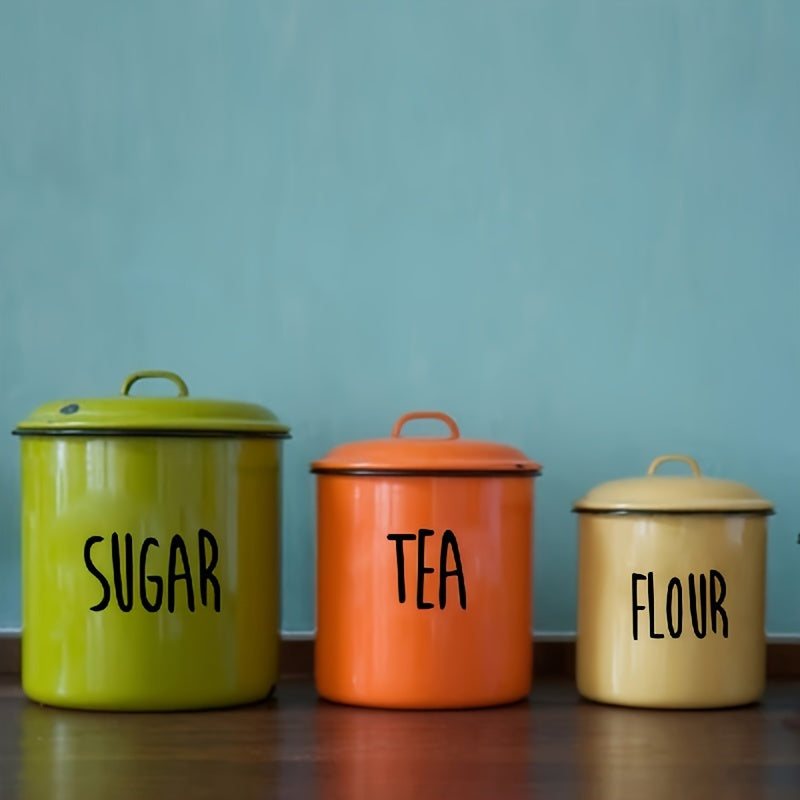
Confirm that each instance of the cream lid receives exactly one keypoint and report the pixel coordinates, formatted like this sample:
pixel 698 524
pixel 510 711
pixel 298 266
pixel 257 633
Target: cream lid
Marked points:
pixel 693 493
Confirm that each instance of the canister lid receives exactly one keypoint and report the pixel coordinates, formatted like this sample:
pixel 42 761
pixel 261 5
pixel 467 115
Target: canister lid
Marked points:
pixel 425 455
pixel 693 493
pixel 131 415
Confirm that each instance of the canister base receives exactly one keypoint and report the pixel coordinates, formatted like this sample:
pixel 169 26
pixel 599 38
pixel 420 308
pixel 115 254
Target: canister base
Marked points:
pixel 671 704
pixel 149 706
pixel 423 705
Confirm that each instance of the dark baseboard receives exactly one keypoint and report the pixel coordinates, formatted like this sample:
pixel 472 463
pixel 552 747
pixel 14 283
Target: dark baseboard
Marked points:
pixel 551 659
pixel 783 660
pixel 9 654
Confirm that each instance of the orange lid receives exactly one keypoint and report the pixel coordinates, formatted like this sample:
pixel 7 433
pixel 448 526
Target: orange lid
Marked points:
pixel 415 455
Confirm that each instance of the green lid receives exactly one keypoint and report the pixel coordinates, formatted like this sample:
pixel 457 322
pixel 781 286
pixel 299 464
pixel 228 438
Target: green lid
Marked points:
pixel 127 415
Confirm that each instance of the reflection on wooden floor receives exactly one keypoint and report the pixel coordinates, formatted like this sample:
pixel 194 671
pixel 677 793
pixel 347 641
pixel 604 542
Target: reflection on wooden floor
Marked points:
pixel 553 746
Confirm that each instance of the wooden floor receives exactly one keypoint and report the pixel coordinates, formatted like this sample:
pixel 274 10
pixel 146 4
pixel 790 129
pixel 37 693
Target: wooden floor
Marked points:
pixel 296 746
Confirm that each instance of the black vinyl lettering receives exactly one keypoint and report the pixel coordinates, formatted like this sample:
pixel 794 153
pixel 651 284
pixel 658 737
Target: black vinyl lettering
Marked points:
pixel 156 580
pixel 698 612
pixel 398 539
pixel 125 604
pixel 635 578
pixel 449 541
pixel 207 567
pixel 176 546
pixel 422 570
pixel 651 599
pixel 87 559
pixel 673 631
pixel 715 602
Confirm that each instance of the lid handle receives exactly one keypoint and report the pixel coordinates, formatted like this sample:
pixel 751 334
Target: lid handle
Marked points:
pixel 183 389
pixel 686 459
pixel 449 421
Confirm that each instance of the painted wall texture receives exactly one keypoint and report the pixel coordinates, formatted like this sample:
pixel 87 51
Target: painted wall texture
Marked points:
pixel 574 226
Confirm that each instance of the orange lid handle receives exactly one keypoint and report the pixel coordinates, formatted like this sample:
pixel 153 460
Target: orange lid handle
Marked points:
pixel 449 421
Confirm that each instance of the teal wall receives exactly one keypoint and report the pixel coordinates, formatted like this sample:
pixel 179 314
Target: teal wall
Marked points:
pixel 574 225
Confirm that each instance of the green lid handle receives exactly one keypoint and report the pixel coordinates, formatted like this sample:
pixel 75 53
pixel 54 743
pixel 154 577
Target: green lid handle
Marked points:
pixel 183 389
pixel 686 459
pixel 449 421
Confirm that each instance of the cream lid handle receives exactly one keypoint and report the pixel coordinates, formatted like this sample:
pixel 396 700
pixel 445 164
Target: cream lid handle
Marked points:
pixel 686 460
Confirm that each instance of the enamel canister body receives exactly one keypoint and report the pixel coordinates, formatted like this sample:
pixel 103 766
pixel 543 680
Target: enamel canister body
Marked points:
pixel 424 573
pixel 671 592
pixel 150 558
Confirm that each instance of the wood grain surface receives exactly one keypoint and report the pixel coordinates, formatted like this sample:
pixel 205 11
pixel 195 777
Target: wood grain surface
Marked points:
pixel 296 746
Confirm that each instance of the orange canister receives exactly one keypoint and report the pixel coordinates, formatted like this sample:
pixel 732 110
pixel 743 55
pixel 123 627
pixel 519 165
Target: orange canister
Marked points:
pixel 424 571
